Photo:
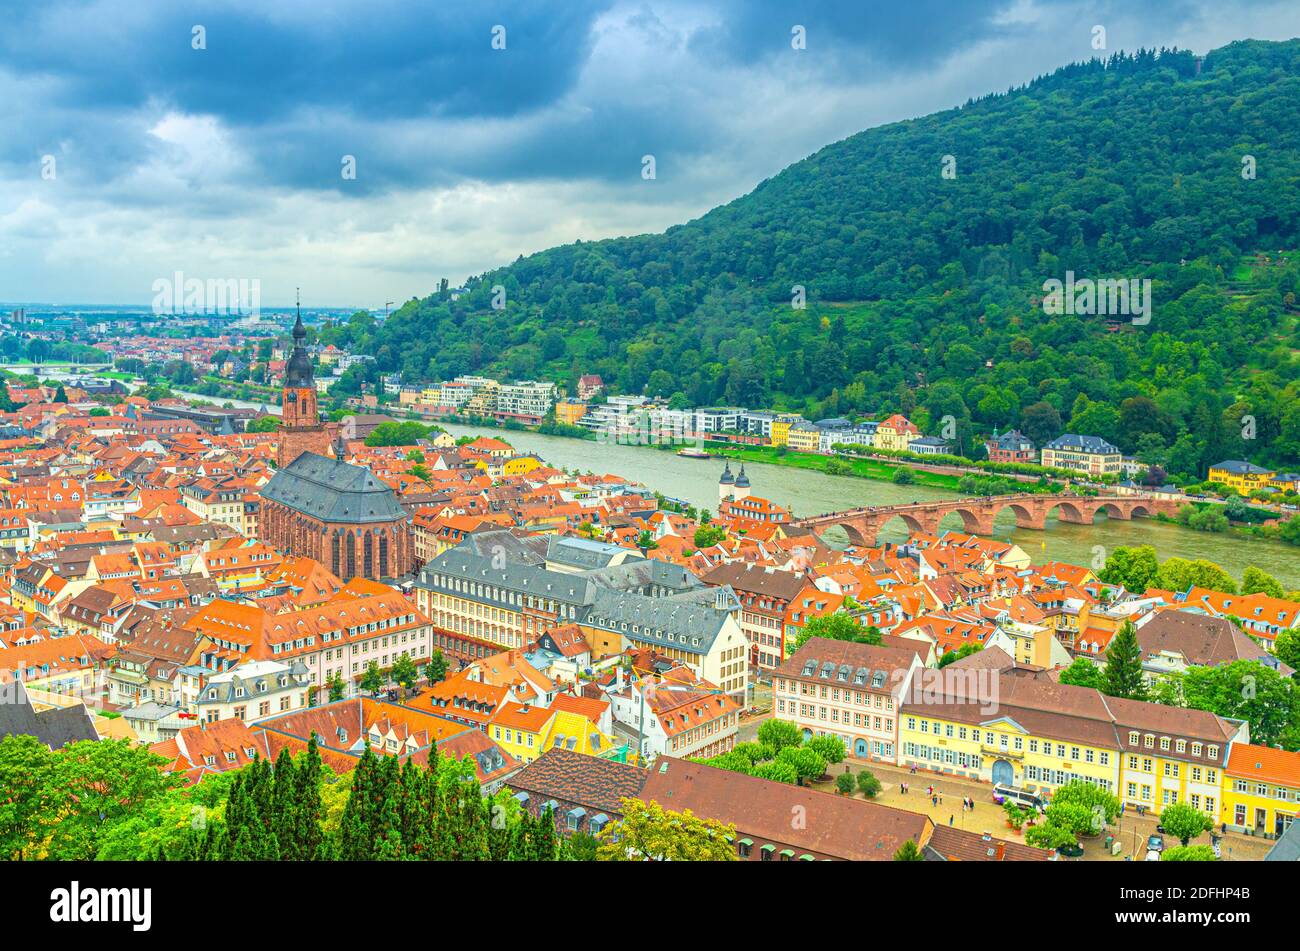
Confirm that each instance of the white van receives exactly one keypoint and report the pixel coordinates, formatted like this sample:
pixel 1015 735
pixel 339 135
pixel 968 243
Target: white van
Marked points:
pixel 1020 797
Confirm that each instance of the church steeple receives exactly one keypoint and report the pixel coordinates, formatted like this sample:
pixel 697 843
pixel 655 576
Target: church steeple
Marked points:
pixel 300 425
pixel 298 372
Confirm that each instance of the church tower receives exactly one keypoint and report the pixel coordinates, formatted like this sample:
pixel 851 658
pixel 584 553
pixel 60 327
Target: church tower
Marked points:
pixel 300 426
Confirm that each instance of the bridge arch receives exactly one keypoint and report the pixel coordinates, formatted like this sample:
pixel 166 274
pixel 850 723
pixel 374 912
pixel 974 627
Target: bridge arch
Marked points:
pixel 1073 511
pixel 1026 516
pixel 973 522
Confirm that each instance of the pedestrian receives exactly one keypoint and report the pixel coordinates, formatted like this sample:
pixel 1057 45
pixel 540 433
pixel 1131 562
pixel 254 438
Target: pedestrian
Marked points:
pixel 949 819
pixel 934 801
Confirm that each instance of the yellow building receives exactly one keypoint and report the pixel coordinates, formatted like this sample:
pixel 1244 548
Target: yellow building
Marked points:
pixel 1261 790
pixel 1244 477
pixel 1038 735
pixel 802 437
pixel 781 429
pixel 897 433
pixel 569 412
pixel 525 732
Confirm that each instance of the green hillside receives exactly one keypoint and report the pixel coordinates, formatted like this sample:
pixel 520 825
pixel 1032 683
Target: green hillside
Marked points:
pixel 923 291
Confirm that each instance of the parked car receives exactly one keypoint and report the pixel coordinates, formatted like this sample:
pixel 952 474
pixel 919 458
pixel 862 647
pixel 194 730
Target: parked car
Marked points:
pixel 1155 843
pixel 1152 856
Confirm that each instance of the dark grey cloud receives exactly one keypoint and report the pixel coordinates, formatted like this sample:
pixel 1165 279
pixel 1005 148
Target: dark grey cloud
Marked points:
pixel 229 158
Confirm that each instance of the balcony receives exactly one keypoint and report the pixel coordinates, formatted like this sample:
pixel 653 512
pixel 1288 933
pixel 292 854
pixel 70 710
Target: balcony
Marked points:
pixel 994 751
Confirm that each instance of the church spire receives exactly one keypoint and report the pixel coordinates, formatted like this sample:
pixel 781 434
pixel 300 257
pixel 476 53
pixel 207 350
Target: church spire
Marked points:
pixel 299 331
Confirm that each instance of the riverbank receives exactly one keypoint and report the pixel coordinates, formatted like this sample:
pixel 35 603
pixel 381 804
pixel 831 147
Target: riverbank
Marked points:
pixel 811 491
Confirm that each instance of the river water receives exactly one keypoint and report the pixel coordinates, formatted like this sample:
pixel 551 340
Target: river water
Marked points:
pixel 811 493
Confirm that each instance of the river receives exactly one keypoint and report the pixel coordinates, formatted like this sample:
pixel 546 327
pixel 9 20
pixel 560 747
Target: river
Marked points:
pixel 811 493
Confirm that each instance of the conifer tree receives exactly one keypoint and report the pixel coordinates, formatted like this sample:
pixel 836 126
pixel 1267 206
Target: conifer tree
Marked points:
pixel 1124 665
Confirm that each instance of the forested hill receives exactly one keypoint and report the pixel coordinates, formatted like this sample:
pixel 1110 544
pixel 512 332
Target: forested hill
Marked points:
pixel 923 290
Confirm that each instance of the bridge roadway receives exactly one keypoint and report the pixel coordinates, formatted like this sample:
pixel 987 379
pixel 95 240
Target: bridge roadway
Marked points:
pixel 863 525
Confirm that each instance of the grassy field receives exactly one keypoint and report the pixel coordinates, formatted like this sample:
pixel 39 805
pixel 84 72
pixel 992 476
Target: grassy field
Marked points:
pixel 862 468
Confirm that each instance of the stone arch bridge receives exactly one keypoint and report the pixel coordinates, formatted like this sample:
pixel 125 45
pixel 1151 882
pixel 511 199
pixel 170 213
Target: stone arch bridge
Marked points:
pixel 1031 511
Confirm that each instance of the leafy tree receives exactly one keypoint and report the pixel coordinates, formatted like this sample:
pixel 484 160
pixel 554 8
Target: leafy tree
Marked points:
pixel 1134 568
pixel 844 784
pixel 372 681
pixel 1254 581
pixel 337 687
pixel 807 763
pixel 1247 690
pixel 1287 648
pixel 1179 574
pixel 435 671
pixel 709 535
pixel 648 831
pixel 1189 853
pixel 404 673
pixel 1082 672
pixel 837 626
pixel 264 424
pixel 830 748
pixel 779 734
pixel 1184 821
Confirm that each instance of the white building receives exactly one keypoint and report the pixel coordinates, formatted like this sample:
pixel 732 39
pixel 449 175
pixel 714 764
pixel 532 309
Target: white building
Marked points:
pixel 253 691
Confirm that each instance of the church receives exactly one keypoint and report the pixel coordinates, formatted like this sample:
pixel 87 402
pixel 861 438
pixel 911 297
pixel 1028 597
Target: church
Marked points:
pixel 318 506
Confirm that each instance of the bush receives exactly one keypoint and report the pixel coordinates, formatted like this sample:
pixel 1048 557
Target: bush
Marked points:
pixel 844 784
pixel 868 784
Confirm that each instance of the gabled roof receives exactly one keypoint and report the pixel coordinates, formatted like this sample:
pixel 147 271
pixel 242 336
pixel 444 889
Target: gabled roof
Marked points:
pixel 333 491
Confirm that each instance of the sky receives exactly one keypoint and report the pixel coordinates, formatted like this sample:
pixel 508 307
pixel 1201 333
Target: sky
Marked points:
pixel 364 150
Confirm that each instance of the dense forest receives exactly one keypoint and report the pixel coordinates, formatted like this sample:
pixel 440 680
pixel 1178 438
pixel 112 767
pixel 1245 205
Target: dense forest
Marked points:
pixel 923 248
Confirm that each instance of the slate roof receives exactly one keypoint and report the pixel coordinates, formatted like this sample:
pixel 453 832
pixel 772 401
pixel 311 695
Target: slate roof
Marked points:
pixel 54 727
pixel 1072 442
pixel 333 491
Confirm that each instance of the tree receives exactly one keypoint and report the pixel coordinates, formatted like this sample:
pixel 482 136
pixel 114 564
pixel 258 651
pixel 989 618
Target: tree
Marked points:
pixel 904 476
pixel 838 626
pixel 264 424
pixel 909 851
pixel 779 734
pixel 648 832
pixel 868 784
pixel 1184 821
pixel 373 679
pixel 1189 853
pixel 830 748
pixel 30 797
pixel 436 669
pixel 1102 806
pixel 1123 673
pixel 1247 690
pixel 646 540
pixel 709 535
pixel 1179 574
pixel 844 784
pixel 404 673
pixel 1134 568
pixel 1286 647
pixel 1084 673
pixel 807 763
pixel 1254 581
pixel 337 687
